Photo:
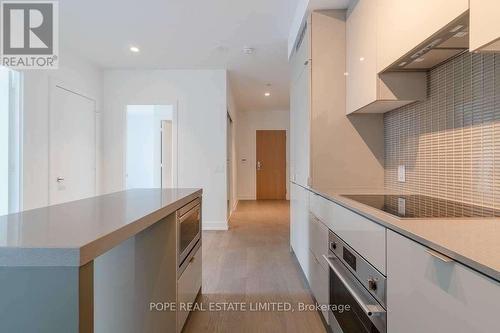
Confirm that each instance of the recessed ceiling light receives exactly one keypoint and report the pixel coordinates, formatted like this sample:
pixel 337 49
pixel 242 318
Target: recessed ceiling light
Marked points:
pixel 267 94
pixel 134 49
pixel 362 59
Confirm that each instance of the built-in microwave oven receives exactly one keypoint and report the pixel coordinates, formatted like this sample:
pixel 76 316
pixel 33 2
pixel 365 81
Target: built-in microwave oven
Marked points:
pixel 188 229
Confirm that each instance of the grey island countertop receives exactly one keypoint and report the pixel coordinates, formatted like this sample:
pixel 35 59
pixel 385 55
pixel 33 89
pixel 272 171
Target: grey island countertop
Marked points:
pixel 74 233
pixel 473 242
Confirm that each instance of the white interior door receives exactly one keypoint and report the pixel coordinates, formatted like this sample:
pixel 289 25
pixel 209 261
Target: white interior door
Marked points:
pixel 72 169
pixel 167 180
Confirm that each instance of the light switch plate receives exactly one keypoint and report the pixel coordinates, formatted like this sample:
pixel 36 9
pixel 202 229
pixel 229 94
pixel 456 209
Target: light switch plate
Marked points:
pixel 401 206
pixel 402 173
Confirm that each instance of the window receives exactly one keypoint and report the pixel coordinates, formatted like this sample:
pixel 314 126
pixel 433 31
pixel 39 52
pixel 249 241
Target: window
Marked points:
pixel 10 141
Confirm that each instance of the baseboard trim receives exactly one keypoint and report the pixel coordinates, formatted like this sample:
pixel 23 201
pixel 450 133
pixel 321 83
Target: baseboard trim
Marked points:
pixel 247 197
pixel 214 225
pixel 232 211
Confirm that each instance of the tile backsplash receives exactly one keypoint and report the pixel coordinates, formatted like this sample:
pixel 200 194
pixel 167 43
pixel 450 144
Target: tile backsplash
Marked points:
pixel 450 143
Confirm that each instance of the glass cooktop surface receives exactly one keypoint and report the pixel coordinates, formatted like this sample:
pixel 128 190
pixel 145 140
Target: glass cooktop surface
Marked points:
pixel 422 206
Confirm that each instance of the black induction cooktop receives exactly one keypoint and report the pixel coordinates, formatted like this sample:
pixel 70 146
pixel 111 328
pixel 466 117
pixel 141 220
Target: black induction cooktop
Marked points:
pixel 422 206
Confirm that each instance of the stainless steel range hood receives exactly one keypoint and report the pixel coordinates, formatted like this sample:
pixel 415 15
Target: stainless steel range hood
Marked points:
pixel 449 42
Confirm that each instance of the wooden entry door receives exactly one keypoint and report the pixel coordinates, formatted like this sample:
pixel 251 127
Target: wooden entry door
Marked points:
pixel 271 164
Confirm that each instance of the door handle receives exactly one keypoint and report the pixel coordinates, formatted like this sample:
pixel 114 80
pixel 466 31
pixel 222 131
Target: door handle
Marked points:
pixel 368 309
pixel 259 165
pixel 439 256
pixel 60 179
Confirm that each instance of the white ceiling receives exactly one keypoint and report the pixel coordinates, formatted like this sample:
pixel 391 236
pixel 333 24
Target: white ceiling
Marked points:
pixel 186 34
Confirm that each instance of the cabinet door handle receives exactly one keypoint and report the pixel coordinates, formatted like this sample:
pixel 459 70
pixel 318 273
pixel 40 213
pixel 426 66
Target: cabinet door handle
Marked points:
pixel 315 259
pixel 439 256
pixel 306 62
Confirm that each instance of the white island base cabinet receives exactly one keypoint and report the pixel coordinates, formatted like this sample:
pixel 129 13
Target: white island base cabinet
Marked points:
pixel 427 292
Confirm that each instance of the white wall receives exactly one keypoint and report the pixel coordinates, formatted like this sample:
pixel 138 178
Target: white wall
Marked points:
pixel 248 123
pixel 4 141
pixel 75 73
pixel 200 96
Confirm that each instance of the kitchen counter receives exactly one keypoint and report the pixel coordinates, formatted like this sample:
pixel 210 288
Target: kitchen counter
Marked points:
pixel 75 233
pixel 474 242
pixel 71 267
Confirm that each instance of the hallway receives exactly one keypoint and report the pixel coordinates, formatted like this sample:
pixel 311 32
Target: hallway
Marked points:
pixel 249 263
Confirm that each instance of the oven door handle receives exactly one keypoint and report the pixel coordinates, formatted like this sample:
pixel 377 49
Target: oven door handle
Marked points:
pixel 369 309
pixel 195 210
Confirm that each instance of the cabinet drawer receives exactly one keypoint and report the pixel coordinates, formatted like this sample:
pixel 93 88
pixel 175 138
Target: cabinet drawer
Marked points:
pixel 426 293
pixel 318 239
pixel 188 286
pixel 319 282
pixel 365 236
pixel 320 207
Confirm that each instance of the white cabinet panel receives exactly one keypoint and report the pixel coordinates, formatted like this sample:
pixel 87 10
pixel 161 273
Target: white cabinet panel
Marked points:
pixel 321 207
pixel 484 25
pixel 367 92
pixel 302 54
pixel 300 126
pixel 318 282
pixel 318 239
pixel 300 94
pixel 299 226
pixel 188 286
pixel 361 32
pixel 426 294
pixel 365 236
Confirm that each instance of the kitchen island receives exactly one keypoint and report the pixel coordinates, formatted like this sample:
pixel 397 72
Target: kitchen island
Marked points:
pixel 92 265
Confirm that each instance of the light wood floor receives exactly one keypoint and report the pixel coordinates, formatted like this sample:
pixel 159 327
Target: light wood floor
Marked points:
pixel 252 263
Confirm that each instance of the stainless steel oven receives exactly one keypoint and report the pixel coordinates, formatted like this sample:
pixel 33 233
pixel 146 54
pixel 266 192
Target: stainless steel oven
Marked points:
pixel 356 283
pixel 188 229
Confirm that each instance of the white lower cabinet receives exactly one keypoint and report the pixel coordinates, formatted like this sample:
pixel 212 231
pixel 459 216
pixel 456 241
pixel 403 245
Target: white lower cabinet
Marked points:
pixel 188 286
pixel 318 239
pixel 309 241
pixel 299 225
pixel 365 236
pixel 318 282
pixel 428 294
pixel 318 274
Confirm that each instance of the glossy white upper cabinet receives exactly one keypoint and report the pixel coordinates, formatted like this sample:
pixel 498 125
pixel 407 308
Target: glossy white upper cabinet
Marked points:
pixel 484 25
pixel 404 24
pixel 361 55
pixel 367 92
